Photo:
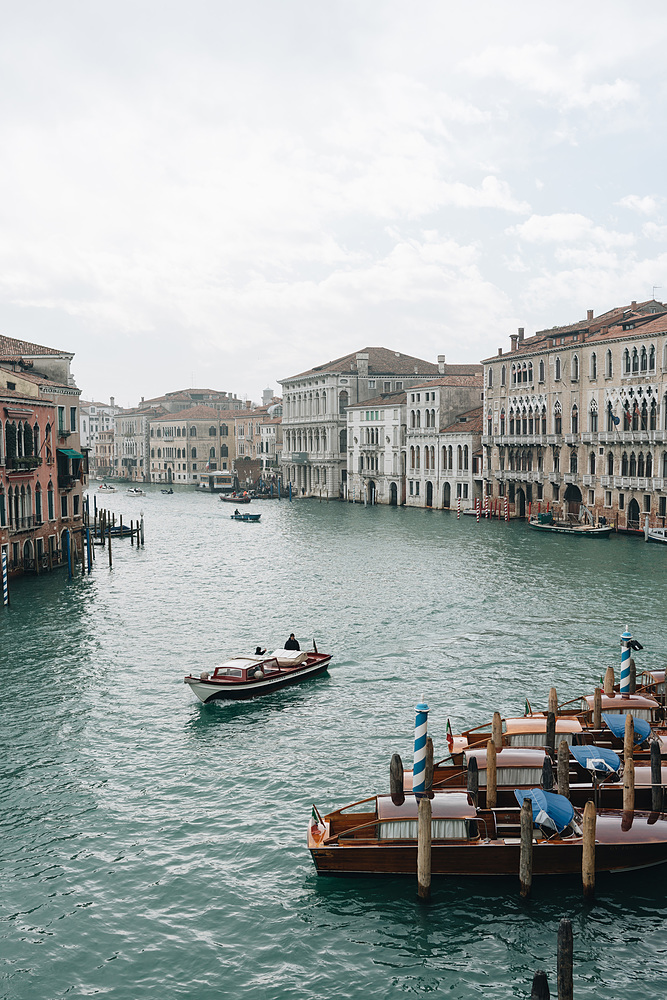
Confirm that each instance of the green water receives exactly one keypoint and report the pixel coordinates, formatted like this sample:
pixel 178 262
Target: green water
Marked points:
pixel 155 847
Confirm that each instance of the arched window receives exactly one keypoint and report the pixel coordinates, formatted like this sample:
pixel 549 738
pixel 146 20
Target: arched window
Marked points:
pixel 178 432
pixel 524 374
pixel 513 374
pixel 412 419
pixel 223 430
pixel 343 400
pixel 541 370
pixel 465 457
pixel 575 419
pixel 489 423
pixel 591 463
pixel 640 465
pixel 450 458
pixel 610 463
pixel 211 452
pixel 624 463
pixel 557 369
pixel 194 452
pixel 644 416
pixel 159 453
pixel 594 365
pixel 651 358
pixel 511 420
pixel 558 419
pixel 193 432
pixel 417 457
pixel 178 453
pixel 626 362
pixel 224 451
pixel 419 418
pixel 502 421
pixel 212 432
pixel 524 421
pixel 503 375
pixel 530 371
pixel 544 419
pixel 573 461
pixel 643 360
pixel 412 458
pixel 531 422
pixel 635 361
pixel 490 377
pixel 575 368
pixel 633 464
pixel 609 364
pixel 593 416
pixel 653 417
pixel 459 458
pixel 649 465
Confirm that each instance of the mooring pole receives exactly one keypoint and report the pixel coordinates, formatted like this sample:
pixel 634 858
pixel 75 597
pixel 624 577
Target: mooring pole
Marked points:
pixel 626 638
pixel 491 775
pixel 69 555
pixel 526 849
pixel 424 848
pixel 588 850
pixel 396 780
pixel 656 777
pixel 5 580
pixel 564 769
pixel 419 764
pixel 565 960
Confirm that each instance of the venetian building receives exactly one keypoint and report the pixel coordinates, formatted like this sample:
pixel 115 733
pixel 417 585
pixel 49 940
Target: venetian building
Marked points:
pixel 577 415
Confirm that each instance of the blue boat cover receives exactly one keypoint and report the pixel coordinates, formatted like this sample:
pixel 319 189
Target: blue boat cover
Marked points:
pixel 549 809
pixel 598 759
pixel 617 725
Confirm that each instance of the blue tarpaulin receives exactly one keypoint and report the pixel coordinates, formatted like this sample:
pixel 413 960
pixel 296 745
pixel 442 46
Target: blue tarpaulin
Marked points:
pixel 598 759
pixel 549 809
pixel 617 725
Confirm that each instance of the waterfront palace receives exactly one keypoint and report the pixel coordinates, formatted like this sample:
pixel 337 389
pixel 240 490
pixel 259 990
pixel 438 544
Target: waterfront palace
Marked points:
pixel 579 414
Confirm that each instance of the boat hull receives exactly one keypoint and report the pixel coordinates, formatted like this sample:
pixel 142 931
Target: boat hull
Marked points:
pixel 209 691
pixel 602 532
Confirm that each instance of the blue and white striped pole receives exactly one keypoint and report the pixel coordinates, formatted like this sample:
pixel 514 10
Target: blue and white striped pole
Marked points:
pixel 5 583
pixel 419 765
pixel 625 661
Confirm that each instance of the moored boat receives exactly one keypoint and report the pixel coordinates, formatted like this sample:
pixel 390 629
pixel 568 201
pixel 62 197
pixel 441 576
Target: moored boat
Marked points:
pixel 249 676
pixel 235 498
pixel 546 522
pixel 376 836
pixel 136 491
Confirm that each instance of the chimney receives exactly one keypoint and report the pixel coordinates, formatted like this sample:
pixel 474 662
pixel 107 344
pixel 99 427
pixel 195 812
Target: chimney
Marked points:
pixel 589 315
pixel 112 400
pixel 441 364
pixel 513 338
pixel 633 305
pixel 521 335
pixel 500 352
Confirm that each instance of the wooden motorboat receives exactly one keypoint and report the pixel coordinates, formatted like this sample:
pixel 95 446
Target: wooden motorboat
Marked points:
pixel 235 498
pixel 245 517
pixel 136 491
pixel 249 676
pixel 107 488
pixel 377 837
pixel 546 522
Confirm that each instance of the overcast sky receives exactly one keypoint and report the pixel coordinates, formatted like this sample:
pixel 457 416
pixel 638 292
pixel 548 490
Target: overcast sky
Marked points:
pixel 227 193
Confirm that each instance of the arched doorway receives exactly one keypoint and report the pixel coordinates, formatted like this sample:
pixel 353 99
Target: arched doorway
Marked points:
pixel 633 515
pixel 520 503
pixel 393 495
pixel 573 500
pixel 170 476
pixel 447 495
pixel 429 494
pixel 371 492
pixel 27 555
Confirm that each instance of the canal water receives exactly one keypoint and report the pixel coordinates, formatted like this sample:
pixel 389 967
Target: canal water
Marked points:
pixel 155 847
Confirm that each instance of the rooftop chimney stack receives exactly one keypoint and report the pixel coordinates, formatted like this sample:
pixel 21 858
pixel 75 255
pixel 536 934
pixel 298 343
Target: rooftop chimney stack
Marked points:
pixel 521 335
pixel 589 315
pixel 441 364
pixel 633 305
pixel 500 352
pixel 112 400
pixel 513 339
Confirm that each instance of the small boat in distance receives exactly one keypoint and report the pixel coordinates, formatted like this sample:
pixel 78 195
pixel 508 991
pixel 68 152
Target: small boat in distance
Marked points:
pixel 249 676
pixel 107 488
pixel 167 492
pixel 583 526
pixel 136 491
pixel 235 498
pixel 245 517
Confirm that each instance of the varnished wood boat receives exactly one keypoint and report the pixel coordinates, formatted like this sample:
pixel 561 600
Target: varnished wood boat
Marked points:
pixel 542 523
pixel 250 676
pixel 377 837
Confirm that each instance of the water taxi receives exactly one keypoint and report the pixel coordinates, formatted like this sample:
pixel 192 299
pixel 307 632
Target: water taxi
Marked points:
pixel 375 836
pixel 546 522
pixel 249 676
pixel 136 491
pixel 107 488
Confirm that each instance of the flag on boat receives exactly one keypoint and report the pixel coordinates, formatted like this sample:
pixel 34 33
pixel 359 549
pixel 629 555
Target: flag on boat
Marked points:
pixel 316 826
pixel 527 710
pixel 450 736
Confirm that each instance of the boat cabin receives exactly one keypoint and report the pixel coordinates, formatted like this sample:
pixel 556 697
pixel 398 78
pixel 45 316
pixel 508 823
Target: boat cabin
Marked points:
pixel 652 684
pixel 637 705
pixel 531 731
pixel 454 817
pixel 515 767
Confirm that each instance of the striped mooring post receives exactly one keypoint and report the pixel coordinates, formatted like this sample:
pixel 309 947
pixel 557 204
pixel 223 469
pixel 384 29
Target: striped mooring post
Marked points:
pixel 458 507
pixel 507 509
pixel 478 504
pixel 5 583
pixel 625 661
pixel 419 765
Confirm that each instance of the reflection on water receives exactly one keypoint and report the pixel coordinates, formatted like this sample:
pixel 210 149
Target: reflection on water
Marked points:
pixel 156 846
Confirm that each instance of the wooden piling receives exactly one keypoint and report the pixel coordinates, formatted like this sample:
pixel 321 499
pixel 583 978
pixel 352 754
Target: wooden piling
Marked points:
pixel 131 533
pixel 491 775
pixel 83 553
pixel 597 709
pixel 633 676
pixel 424 848
pixel 526 849
pixel 629 786
pixel 629 738
pixel 588 850
pixel 396 780
pixel 109 544
pixel 609 682
pixel 497 730
pixel 547 775
pixel 565 960
pixel 540 990
pixel 551 733
pixel 552 705
pixel 473 779
pixel 656 777
pixel 428 769
pixel 564 769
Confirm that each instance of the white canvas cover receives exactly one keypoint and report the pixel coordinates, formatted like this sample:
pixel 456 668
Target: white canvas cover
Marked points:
pixel 289 657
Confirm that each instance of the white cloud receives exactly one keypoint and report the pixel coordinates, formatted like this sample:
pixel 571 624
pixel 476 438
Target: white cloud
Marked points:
pixel 568 228
pixel 645 206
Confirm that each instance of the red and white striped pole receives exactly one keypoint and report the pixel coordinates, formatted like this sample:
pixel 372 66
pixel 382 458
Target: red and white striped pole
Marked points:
pixel 507 509
pixel 478 504
pixel 458 507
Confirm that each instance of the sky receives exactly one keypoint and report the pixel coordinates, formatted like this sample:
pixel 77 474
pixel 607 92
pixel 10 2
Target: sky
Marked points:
pixel 222 194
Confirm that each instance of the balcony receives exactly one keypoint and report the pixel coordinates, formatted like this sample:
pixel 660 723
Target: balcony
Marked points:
pixel 24 524
pixel 554 477
pixel 589 480
pixel 67 482
pixel 572 439
pixel 570 477
pixel 24 464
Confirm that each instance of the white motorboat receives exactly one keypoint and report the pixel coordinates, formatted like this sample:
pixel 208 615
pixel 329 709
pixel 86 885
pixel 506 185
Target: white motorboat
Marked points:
pixel 654 534
pixel 248 676
pixel 135 491
pixel 107 488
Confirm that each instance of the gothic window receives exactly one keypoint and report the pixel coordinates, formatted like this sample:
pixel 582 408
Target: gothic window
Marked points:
pixel 635 361
pixel 649 465
pixel 503 374
pixel 633 464
pixel 557 370
pixel 609 365
pixel 575 368
pixel 573 462
pixel 591 463
pixel 530 371
pixel 624 463
pixel 610 463
pixel 643 360
pixel 594 365
pixel 541 371
pixel 651 358
pixel 575 419
pixel 626 362
pixel 640 465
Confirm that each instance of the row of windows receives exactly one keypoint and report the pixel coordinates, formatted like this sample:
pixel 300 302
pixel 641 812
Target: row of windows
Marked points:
pixel 528 421
pixel 447 457
pixel 183 432
pixel 636 361
pixel 633 464
pixel 182 452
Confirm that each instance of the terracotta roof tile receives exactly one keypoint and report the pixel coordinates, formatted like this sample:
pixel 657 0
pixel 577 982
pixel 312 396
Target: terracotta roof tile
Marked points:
pixel 381 361
pixel 10 346
pixel 469 422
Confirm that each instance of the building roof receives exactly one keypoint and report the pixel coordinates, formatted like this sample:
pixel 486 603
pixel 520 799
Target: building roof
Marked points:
pixel 14 396
pixel 41 380
pixel 381 361
pixel 609 325
pixel 385 399
pixel 11 348
pixel 469 422
pixel 472 378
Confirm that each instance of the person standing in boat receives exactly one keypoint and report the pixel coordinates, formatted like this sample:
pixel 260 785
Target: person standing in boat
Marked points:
pixel 292 643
